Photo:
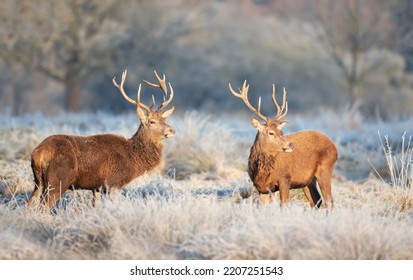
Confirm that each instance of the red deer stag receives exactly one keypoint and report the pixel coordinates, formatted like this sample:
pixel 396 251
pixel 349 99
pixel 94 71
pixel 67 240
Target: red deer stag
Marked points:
pixel 298 160
pixel 102 161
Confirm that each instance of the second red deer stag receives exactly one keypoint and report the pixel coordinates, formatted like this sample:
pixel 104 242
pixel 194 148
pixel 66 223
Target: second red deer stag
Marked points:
pixel 279 162
pixel 104 161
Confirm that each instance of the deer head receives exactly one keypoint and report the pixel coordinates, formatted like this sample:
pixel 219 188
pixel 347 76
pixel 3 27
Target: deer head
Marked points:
pixel 269 135
pixel 152 122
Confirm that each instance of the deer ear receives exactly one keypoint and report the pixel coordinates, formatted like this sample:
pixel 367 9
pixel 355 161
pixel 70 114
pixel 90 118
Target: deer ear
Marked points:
pixel 168 113
pixel 256 123
pixel 141 114
pixel 281 124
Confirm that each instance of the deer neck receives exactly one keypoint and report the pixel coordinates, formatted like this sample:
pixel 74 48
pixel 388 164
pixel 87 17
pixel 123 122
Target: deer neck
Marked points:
pixel 146 151
pixel 261 148
pixel 261 163
pixel 263 158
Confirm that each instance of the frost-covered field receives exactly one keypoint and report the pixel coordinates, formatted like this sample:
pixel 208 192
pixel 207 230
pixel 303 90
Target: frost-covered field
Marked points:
pixel 193 208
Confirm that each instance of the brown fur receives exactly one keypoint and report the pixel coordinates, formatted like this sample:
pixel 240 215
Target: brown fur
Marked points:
pixel 311 160
pixel 99 162
pixel 281 163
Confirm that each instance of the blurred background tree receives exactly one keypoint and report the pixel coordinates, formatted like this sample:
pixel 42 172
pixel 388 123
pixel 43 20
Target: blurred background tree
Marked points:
pixel 66 41
pixel 350 30
pixel 403 18
pixel 62 55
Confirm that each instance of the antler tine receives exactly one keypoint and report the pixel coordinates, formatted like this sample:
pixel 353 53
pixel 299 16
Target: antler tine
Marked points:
pixel 162 85
pixel 153 102
pixel 120 87
pixel 243 94
pixel 166 102
pixel 274 100
pixel 148 109
pixel 285 104
pixel 281 111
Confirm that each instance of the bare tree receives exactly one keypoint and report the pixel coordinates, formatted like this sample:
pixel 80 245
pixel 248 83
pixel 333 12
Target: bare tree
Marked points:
pixel 64 40
pixel 349 30
pixel 69 41
pixel 403 17
pixel 11 96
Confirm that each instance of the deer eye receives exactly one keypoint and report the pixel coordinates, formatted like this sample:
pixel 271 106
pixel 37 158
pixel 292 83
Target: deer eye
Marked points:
pixel 151 121
pixel 271 133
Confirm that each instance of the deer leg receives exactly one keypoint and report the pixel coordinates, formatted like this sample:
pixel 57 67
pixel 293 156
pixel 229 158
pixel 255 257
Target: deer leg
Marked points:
pixel 36 193
pixel 265 198
pixel 306 191
pixel 53 193
pixel 96 197
pixel 324 181
pixel 312 194
pixel 284 188
pixel 38 184
pixel 98 193
pixel 59 180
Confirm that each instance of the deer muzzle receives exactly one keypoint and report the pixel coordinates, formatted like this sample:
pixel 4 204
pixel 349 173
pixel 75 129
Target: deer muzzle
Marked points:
pixel 169 132
pixel 288 148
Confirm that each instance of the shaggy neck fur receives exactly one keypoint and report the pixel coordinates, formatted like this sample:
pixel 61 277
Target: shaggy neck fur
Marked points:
pixel 147 152
pixel 260 163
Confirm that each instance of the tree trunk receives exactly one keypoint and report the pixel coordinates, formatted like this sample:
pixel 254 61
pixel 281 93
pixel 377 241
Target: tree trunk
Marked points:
pixel 17 102
pixel 352 93
pixel 72 98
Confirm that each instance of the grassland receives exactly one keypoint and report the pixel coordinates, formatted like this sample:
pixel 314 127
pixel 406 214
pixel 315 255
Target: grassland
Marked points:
pixel 194 207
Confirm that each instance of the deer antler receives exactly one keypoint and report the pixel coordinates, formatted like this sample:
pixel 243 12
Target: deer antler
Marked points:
pixel 138 100
pixel 281 110
pixel 284 106
pixel 243 94
pixel 161 85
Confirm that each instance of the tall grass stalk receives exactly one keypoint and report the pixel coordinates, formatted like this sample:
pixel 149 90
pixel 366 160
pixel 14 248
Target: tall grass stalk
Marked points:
pixel 400 164
pixel 399 175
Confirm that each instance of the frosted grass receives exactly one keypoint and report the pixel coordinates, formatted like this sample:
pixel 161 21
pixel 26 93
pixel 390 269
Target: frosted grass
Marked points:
pixel 169 225
pixel 194 207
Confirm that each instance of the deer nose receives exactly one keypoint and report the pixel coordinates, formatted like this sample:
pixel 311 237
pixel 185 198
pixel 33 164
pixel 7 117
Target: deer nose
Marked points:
pixel 289 148
pixel 169 132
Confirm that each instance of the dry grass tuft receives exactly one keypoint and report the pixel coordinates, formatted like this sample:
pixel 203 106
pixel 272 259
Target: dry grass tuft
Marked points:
pixel 209 210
